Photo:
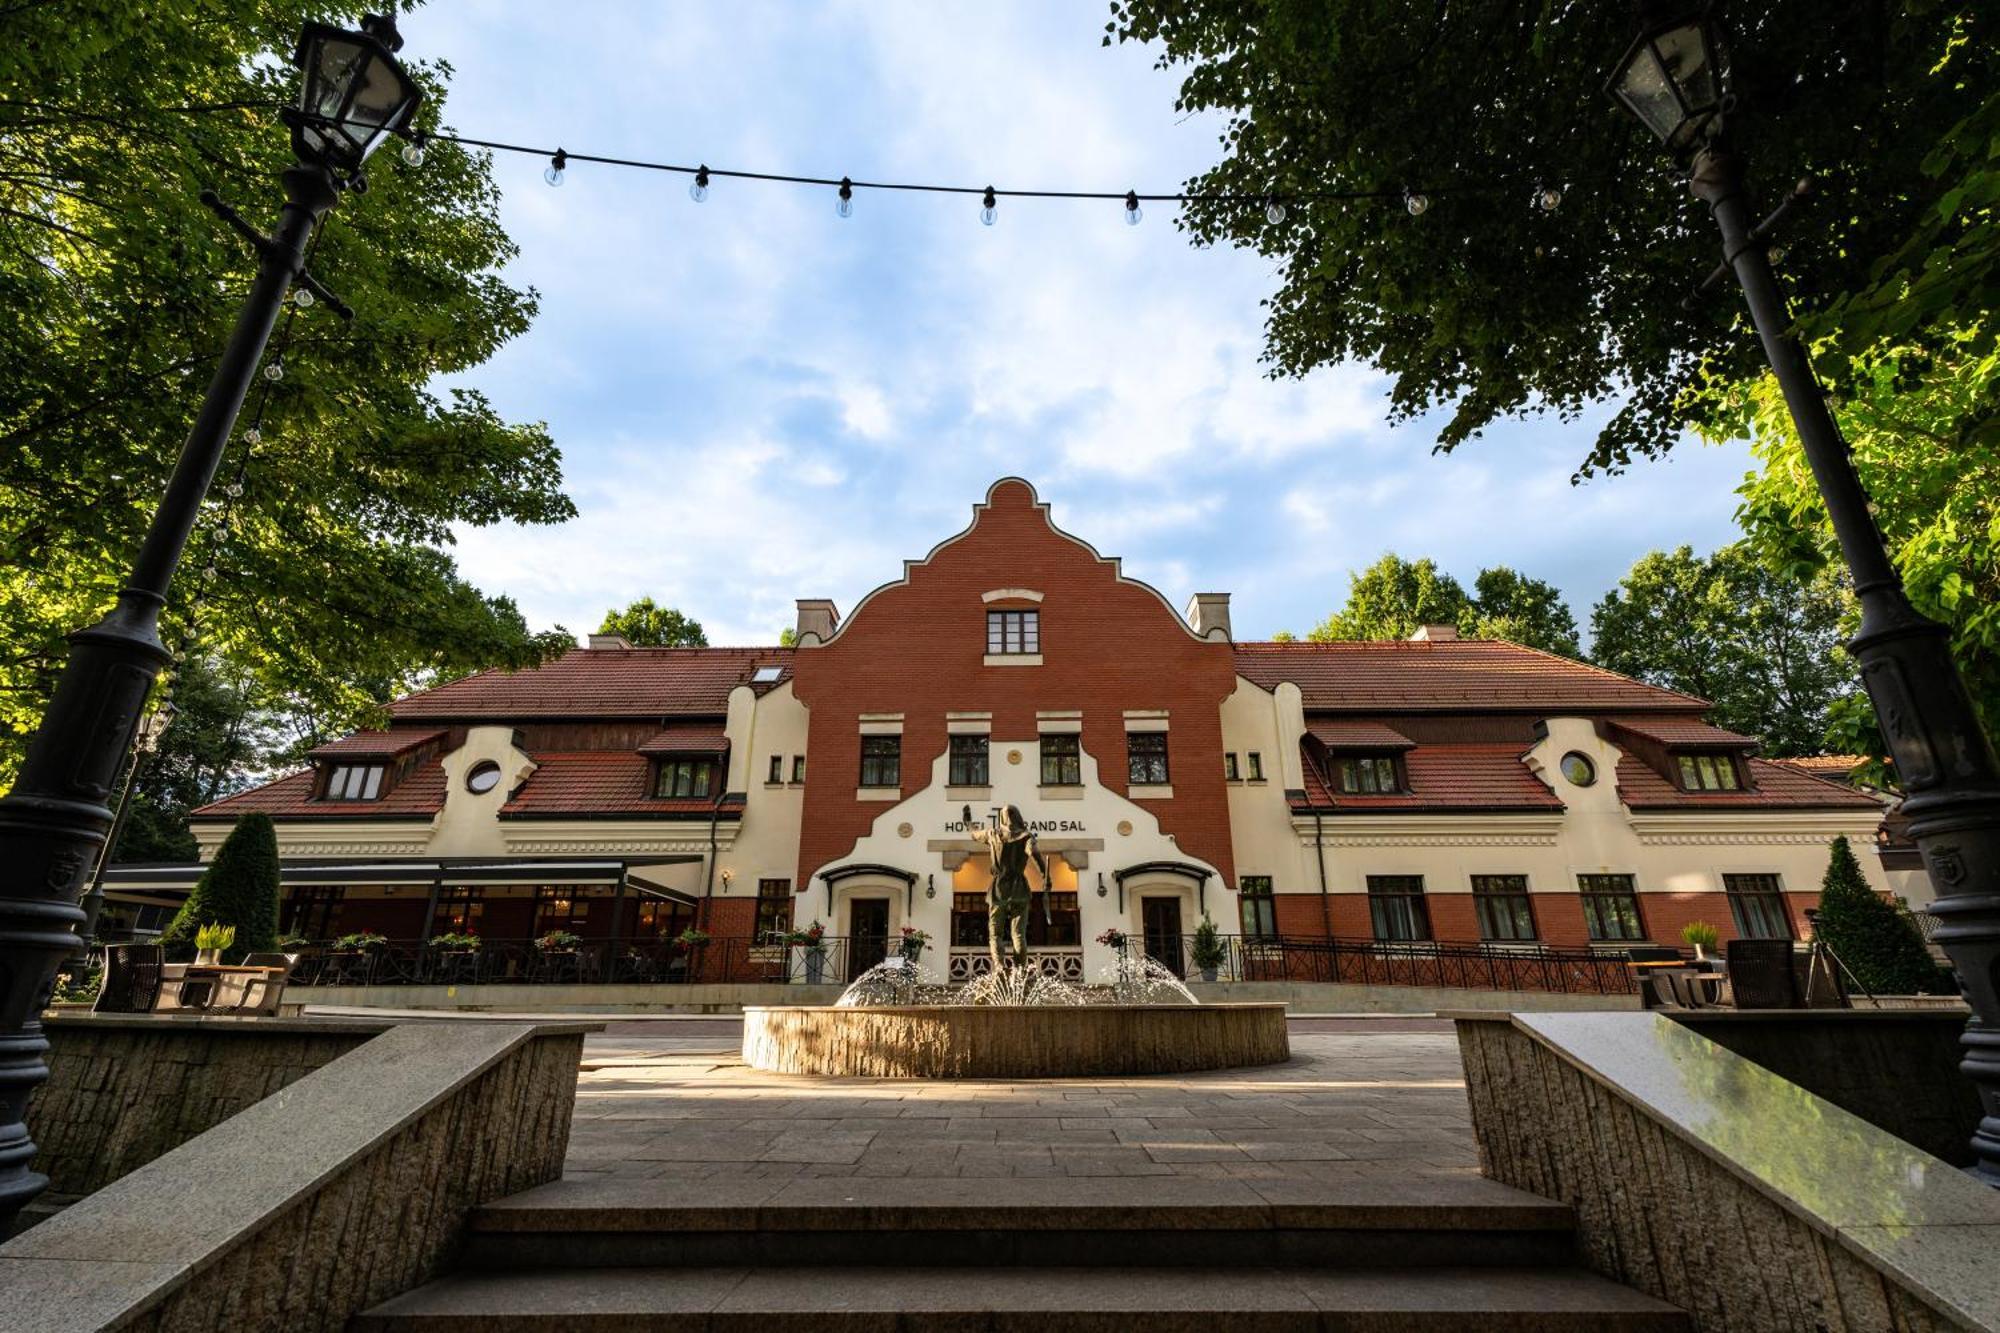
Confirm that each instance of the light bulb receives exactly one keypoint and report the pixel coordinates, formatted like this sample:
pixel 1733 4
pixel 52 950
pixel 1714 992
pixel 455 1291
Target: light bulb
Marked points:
pixel 233 489
pixel 845 208
pixel 554 173
pixel 1132 211
pixel 1274 211
pixel 275 371
pixel 1416 203
pixel 253 436
pixel 699 190
pixel 413 151
pixel 989 208
pixel 303 296
pixel 1550 197
pixel 209 572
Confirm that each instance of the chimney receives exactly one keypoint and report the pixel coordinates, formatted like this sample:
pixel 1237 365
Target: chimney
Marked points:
pixel 609 641
pixel 818 618
pixel 1435 634
pixel 1208 615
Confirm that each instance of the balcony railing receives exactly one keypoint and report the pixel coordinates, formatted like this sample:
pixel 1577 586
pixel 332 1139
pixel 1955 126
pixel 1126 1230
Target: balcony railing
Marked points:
pixel 1361 962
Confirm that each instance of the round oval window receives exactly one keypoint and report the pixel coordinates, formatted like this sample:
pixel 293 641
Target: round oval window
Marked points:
pixel 484 777
pixel 1578 769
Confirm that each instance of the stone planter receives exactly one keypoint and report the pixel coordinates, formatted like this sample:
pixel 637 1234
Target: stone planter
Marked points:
pixel 1207 974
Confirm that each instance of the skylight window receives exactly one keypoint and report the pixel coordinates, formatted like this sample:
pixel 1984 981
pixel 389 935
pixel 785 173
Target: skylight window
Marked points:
pixel 766 675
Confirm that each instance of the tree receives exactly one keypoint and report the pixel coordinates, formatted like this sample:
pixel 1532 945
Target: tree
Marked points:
pixel 222 734
pixel 239 888
pixel 331 579
pixel 646 625
pixel 1925 433
pixel 788 637
pixel 1489 305
pixel 1393 597
pixel 1874 939
pixel 1512 606
pixel 1764 649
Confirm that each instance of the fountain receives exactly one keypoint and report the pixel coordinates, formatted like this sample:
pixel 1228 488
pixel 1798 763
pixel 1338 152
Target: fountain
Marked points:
pixel 895 1021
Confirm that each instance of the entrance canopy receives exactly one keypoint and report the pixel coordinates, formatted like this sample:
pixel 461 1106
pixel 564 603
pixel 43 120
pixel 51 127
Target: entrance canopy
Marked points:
pixel 168 884
pixel 1186 869
pixel 834 874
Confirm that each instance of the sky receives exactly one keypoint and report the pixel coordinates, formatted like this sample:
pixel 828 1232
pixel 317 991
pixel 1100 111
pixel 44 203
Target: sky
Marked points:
pixel 757 400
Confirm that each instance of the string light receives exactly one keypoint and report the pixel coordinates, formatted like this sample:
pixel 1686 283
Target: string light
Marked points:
pixel 413 151
pixel 989 207
pixel 1550 198
pixel 699 190
pixel 845 208
pixel 303 296
pixel 275 371
pixel 1274 210
pixel 1416 203
pixel 555 172
pixel 1132 213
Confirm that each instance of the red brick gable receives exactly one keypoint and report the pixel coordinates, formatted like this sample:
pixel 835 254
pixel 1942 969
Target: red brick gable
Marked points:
pixel 1109 643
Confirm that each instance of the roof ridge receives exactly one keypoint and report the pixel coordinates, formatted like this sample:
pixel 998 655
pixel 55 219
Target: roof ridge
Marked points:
pixel 1607 671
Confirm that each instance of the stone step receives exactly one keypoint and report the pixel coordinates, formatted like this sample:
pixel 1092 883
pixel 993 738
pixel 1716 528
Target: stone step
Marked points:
pixel 1032 1300
pixel 1127 1222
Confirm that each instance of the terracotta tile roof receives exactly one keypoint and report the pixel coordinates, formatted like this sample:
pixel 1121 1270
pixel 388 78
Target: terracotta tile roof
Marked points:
pixel 421 794
pixel 603 682
pixel 687 738
pixel 1443 778
pixel 377 744
pixel 1778 786
pixel 1676 732
pixel 600 783
pixel 1339 734
pixel 1833 767
pixel 1400 676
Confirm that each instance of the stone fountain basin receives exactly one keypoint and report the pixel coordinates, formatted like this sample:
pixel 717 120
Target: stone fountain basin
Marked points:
pixel 1012 1041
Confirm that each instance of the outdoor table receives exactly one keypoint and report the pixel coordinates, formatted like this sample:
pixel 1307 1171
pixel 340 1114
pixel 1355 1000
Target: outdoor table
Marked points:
pixel 217 973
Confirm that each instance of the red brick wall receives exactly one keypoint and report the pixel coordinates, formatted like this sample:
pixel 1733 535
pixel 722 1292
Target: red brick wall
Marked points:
pixel 916 648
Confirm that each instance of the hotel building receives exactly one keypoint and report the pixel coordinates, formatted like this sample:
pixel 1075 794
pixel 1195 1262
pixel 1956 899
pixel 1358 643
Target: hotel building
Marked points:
pixel 1439 789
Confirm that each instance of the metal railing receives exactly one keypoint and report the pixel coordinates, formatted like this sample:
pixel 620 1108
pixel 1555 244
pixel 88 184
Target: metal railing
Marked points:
pixel 1369 962
pixel 723 960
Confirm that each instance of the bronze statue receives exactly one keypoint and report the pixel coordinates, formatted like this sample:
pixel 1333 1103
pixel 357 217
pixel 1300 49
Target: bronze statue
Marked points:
pixel 1010 843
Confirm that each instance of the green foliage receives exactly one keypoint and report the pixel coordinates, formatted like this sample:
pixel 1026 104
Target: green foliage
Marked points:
pixel 1878 943
pixel 788 637
pixel 1488 306
pixel 1763 648
pixel 1206 947
pixel 226 727
pixel 558 940
pixel 455 939
pixel 646 625
pixel 333 585
pixel 1393 597
pixel 359 941
pixel 214 937
pixel 1925 431
pixel 239 889
pixel 1700 935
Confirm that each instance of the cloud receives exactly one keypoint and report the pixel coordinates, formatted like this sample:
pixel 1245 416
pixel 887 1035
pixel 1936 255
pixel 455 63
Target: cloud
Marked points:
pixel 757 400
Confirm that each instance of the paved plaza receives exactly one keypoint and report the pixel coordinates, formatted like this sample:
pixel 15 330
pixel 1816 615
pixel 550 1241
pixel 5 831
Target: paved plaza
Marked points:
pixel 1359 1098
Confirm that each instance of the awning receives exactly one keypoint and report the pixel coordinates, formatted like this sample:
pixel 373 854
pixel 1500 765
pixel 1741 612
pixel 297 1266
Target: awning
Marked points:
pixel 170 883
pixel 834 874
pixel 1187 869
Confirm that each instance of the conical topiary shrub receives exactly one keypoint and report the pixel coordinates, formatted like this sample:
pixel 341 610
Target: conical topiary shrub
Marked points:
pixel 240 889
pixel 1878 942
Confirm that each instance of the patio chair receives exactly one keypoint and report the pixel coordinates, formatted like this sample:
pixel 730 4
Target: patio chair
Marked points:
pixel 262 994
pixel 1762 974
pixel 131 980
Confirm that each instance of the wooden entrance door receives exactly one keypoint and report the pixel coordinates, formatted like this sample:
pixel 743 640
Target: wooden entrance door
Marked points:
pixel 867 934
pixel 1162 918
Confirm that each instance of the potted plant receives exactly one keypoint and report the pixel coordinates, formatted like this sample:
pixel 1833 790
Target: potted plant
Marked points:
pixel 1114 939
pixel 210 941
pixel 1207 949
pixel 361 941
pixel 1701 937
pixel 559 941
pixel 456 941
pixel 691 939
pixel 293 942
pixel 813 940
pixel 911 946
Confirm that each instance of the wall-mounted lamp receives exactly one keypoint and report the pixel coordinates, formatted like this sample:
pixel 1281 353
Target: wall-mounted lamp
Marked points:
pixel 728 875
pixel 930 886
pixel 1101 890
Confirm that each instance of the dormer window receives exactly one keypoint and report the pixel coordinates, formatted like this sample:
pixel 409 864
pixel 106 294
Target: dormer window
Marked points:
pixel 354 782
pixel 684 779
pixel 1367 774
pixel 1709 772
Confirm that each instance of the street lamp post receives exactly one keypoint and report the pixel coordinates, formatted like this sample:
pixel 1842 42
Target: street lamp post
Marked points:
pixel 145 740
pixel 1672 80
pixel 54 823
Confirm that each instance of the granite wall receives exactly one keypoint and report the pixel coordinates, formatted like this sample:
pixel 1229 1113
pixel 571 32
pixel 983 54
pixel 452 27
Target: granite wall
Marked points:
pixel 341 1190
pixel 124 1090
